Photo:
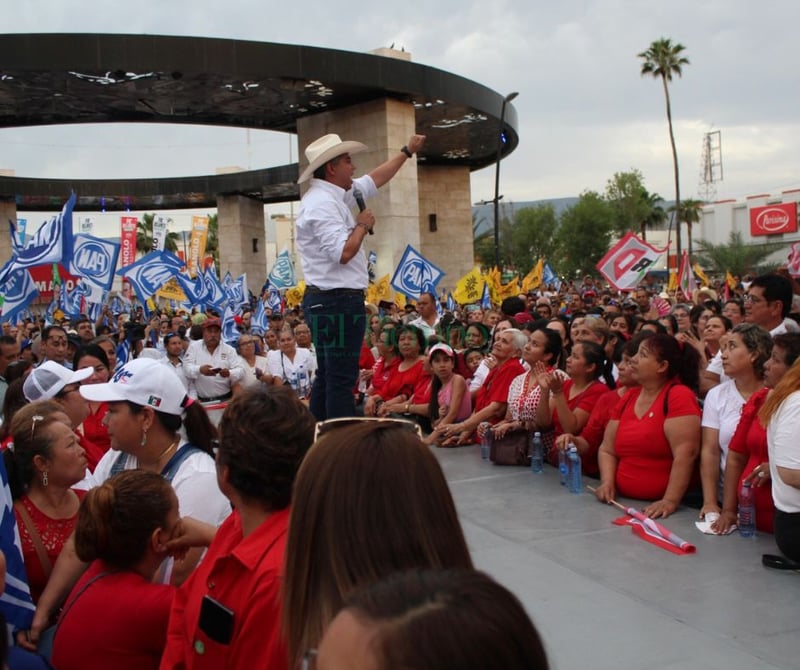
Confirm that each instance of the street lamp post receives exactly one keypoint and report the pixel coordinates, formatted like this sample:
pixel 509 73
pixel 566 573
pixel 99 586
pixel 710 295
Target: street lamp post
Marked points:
pixel 500 142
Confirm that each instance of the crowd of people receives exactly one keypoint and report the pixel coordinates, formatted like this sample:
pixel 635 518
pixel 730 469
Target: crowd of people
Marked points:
pixel 250 543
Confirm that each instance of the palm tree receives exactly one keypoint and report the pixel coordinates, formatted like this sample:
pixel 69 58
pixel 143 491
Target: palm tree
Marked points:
pixel 144 235
pixel 212 240
pixel 663 59
pixel 689 214
pixel 736 257
pixel 656 215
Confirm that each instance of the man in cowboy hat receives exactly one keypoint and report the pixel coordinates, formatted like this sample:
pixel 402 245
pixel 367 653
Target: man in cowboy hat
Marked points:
pixel 329 238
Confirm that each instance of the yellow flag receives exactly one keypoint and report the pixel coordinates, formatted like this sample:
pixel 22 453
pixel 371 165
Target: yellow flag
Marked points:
pixel 294 295
pixel 400 299
pixel 730 280
pixel 508 290
pixel 469 288
pixel 383 289
pixel 673 281
pixel 700 274
pixel 172 291
pixel 533 279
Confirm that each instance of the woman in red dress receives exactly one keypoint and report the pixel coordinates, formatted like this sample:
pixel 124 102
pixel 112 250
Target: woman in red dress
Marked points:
pixel 93 430
pixel 653 439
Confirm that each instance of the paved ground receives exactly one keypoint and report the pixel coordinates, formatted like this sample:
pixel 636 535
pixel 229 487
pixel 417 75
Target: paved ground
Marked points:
pixel 605 599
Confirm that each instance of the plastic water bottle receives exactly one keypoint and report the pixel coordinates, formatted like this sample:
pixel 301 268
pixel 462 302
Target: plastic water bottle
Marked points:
pixel 537 453
pixel 747 511
pixel 486 440
pixel 574 479
pixel 562 464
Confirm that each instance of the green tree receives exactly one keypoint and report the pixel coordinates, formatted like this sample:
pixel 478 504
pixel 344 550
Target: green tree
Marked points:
pixel 690 213
pixel 624 193
pixel 584 234
pixel 212 240
pixel 144 235
pixel 737 257
pixel 663 59
pixel 483 245
pixel 533 236
pixel 656 215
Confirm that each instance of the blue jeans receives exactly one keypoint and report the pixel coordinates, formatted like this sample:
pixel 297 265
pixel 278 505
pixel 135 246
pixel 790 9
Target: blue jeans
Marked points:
pixel 338 323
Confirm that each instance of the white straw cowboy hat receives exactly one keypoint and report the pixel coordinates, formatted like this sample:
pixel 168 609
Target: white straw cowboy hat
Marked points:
pixel 327 148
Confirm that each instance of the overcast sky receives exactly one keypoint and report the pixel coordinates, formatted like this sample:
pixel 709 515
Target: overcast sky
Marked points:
pixel 584 110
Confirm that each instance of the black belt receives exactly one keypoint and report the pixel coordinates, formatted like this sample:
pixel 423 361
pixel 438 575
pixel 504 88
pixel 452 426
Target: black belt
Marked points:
pixel 218 398
pixel 310 288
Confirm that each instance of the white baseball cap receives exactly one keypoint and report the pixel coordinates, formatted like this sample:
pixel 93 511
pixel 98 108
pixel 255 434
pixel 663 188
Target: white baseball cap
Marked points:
pixel 50 378
pixel 142 381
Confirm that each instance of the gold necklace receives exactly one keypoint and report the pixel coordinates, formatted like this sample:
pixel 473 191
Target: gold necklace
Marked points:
pixel 166 451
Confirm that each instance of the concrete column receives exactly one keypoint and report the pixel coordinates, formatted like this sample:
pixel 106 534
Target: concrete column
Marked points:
pixel 384 126
pixel 242 244
pixel 446 221
pixel 8 210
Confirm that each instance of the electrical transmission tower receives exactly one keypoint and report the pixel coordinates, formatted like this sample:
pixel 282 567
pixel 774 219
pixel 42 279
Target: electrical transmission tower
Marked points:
pixel 710 165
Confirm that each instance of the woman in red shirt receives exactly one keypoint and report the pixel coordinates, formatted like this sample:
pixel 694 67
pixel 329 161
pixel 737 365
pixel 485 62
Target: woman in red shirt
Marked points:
pixel 653 439
pixel 402 380
pixel 93 429
pixel 491 399
pixel 572 400
pixel 748 457
pixel 115 616
pixel 44 465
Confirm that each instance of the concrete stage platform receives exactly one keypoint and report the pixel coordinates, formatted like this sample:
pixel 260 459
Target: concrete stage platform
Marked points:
pixel 605 599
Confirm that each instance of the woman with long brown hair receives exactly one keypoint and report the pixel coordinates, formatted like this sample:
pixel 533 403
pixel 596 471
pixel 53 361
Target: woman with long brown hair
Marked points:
pixel 333 548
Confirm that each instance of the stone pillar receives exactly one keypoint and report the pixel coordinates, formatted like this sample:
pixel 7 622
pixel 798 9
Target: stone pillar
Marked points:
pixel 242 245
pixel 8 210
pixel 384 126
pixel 445 213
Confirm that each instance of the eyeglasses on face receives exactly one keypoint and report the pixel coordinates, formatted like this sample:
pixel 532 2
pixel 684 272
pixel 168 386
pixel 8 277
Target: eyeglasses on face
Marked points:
pixel 749 297
pixel 324 427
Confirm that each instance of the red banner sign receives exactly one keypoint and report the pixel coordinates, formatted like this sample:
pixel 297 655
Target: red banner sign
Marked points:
pixel 43 276
pixel 127 253
pixel 774 219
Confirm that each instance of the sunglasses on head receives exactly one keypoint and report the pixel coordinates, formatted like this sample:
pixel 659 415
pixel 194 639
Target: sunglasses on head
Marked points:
pixel 324 427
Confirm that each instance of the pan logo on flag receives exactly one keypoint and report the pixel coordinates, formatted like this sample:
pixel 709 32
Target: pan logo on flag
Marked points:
pixel 153 277
pixel 14 287
pixel 415 274
pixel 93 259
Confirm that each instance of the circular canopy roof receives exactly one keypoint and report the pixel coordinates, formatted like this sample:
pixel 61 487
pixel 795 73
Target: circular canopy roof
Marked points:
pixel 75 78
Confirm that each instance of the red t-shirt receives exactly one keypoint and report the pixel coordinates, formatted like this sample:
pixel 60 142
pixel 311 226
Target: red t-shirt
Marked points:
pixel 244 575
pixel 585 400
pixel 403 381
pixel 595 428
pixel 383 371
pixel 750 439
pixel 495 386
pixel 96 436
pixel 643 451
pixel 119 622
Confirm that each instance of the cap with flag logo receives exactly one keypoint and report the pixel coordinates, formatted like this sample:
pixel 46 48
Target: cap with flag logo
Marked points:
pixel 145 382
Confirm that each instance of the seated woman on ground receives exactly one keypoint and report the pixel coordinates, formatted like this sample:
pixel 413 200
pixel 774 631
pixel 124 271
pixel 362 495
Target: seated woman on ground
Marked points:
pixel 122 531
pixel 745 350
pixel 651 443
pixel 449 399
pixel 491 399
pixel 748 457
pixel 570 402
pixel 385 365
pixel 44 465
pixel 403 379
pixel 525 394
pixel 488 362
pixel 333 549
pixel 588 442
pixel 429 620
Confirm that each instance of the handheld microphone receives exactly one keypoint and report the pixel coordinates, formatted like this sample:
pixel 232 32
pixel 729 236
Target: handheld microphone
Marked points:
pixel 360 202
